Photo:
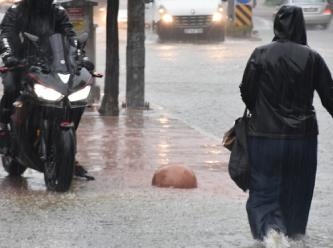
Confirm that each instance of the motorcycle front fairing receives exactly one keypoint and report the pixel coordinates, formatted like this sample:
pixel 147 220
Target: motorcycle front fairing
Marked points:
pixel 62 76
pixel 56 89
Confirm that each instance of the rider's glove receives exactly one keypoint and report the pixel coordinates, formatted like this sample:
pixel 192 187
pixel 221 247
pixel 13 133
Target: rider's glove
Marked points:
pixel 10 61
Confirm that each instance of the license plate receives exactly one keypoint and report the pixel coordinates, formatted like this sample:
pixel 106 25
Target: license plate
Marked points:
pixel 193 31
pixel 310 9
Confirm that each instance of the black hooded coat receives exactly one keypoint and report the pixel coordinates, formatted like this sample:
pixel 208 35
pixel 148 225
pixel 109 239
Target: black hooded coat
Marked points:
pixel 280 79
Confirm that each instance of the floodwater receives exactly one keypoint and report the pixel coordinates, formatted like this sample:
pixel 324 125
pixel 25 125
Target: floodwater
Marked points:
pixel 196 83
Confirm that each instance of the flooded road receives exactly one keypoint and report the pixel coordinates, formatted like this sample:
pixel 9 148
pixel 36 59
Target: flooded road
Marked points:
pixel 196 83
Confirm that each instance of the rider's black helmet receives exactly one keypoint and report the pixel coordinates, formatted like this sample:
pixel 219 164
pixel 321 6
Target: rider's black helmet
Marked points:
pixel 38 6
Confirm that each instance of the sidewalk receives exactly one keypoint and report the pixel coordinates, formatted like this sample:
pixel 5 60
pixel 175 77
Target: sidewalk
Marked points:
pixel 122 153
pixel 120 209
pixel 125 151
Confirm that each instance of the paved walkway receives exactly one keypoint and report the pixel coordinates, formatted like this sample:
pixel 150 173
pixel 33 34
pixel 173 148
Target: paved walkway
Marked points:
pixel 120 209
pixel 125 151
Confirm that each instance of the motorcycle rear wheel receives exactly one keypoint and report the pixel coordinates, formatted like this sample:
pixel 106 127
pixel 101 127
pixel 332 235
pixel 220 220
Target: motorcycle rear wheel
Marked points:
pixel 11 166
pixel 59 167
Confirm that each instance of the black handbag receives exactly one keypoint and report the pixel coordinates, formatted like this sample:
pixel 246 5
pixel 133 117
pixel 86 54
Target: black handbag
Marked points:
pixel 235 140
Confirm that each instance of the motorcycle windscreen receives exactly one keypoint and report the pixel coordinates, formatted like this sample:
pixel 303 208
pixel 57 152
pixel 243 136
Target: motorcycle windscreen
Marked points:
pixel 59 61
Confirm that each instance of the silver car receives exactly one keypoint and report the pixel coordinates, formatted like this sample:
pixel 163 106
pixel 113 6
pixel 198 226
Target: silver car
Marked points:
pixel 316 12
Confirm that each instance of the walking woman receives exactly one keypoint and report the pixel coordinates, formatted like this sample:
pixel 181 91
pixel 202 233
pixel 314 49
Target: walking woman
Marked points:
pixel 278 87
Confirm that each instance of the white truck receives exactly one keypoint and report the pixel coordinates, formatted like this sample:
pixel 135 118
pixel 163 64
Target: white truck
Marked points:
pixel 187 17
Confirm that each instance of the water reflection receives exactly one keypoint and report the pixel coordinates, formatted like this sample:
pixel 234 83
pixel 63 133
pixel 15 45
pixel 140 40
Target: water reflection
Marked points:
pixel 14 184
pixel 134 140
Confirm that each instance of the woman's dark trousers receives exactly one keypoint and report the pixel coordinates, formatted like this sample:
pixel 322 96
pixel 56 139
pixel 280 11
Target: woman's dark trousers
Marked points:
pixel 283 175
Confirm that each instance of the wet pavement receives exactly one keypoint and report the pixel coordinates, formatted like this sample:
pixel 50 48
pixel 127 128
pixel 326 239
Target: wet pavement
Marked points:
pixel 126 150
pixel 121 208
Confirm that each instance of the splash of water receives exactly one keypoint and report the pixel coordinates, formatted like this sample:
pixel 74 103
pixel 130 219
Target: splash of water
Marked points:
pixel 276 239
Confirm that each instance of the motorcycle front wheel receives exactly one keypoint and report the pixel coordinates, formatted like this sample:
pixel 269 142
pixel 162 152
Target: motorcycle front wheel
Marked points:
pixel 59 166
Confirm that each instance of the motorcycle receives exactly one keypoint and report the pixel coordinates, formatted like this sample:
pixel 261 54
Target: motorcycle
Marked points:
pixel 42 130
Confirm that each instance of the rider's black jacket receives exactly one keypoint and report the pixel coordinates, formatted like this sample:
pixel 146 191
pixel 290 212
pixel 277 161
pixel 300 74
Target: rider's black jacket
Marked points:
pixel 17 21
pixel 280 79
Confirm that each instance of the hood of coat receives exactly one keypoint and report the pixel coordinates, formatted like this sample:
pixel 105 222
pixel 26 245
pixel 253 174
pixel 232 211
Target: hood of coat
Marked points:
pixel 289 25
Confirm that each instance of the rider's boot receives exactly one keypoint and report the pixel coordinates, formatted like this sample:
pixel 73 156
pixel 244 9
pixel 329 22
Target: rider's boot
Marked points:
pixel 80 171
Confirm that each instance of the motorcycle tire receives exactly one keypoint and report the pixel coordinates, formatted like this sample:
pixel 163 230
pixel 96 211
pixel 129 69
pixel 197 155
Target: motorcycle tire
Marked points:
pixel 59 167
pixel 11 166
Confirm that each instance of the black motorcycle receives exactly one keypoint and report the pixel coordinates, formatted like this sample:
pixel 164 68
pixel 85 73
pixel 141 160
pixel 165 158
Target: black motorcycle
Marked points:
pixel 55 91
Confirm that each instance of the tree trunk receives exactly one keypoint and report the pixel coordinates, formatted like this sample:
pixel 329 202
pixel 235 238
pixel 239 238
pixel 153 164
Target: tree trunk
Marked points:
pixel 135 54
pixel 110 104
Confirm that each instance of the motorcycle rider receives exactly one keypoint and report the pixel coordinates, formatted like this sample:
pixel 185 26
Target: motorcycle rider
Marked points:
pixel 38 17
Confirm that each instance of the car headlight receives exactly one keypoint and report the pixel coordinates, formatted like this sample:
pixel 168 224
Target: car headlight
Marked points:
pixel 47 93
pixel 217 17
pixel 81 94
pixel 161 10
pixel 167 18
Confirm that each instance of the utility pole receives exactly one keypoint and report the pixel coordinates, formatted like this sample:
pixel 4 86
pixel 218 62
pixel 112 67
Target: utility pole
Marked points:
pixel 110 104
pixel 135 54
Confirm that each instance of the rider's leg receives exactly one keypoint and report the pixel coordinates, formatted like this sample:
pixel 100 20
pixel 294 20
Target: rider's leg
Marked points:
pixel 11 82
pixel 11 91
pixel 80 171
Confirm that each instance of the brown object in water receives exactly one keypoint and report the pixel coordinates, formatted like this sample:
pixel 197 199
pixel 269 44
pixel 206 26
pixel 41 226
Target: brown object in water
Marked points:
pixel 176 176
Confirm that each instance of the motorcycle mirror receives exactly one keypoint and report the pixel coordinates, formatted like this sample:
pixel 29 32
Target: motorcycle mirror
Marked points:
pixel 31 37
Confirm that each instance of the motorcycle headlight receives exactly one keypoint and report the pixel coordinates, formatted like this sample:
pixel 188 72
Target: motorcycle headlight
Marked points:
pixel 81 94
pixel 217 17
pixel 47 93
